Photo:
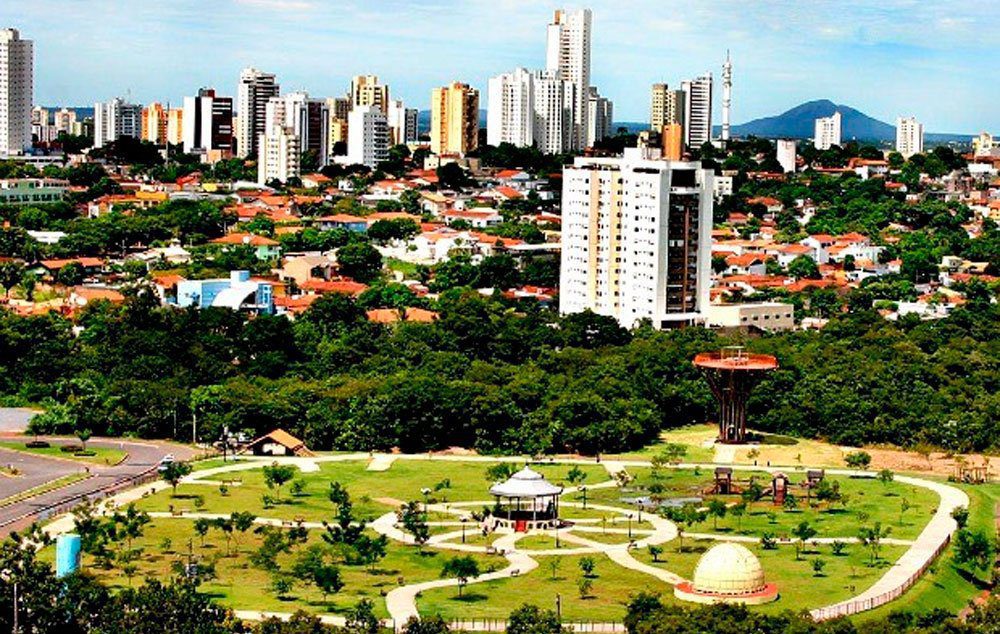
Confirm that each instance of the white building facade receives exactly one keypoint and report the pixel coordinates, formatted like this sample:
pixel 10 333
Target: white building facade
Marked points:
pixel 827 133
pixel 909 136
pixel 568 53
pixel 636 239
pixel 786 154
pixel 697 111
pixel 367 136
pixel 402 122
pixel 308 118
pixel 278 153
pixel 16 92
pixel 115 119
pixel 600 116
pixel 254 90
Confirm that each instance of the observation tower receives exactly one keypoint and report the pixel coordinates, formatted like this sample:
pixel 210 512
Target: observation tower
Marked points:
pixel 732 374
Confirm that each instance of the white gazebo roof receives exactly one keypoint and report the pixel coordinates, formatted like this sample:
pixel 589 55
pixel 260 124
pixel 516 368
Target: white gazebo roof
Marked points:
pixel 526 483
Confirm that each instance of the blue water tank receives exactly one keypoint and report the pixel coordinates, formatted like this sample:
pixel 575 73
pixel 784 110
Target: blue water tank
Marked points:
pixel 67 554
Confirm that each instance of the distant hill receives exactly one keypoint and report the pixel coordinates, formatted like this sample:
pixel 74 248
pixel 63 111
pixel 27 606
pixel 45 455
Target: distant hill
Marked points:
pixel 799 123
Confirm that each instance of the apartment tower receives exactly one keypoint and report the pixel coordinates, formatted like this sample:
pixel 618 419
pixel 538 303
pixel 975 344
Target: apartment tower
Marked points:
pixel 252 94
pixel 454 119
pixel 16 92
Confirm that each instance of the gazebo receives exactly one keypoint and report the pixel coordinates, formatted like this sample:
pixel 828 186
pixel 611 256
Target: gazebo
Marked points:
pixel 526 501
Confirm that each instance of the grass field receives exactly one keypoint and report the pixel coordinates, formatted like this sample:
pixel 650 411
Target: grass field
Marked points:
pixel 693 437
pixel 102 455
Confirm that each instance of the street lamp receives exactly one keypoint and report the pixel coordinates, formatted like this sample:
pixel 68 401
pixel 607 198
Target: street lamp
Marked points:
pixel 464 520
pixel 583 490
pixel 630 527
pixel 427 501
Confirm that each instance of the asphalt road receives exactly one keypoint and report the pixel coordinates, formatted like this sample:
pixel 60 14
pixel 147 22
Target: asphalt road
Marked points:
pixel 142 456
pixel 13 419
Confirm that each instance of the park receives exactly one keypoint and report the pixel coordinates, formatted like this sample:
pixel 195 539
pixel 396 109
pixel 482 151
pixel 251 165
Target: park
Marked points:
pixel 471 538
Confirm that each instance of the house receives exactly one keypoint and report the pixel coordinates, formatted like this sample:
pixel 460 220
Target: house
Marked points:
pixel 307 267
pixel 278 443
pixel 316 181
pixel 46 237
pixel 83 295
pixel 392 315
pixel 747 264
pixel 477 218
pixel 49 268
pixel 769 316
pixel 357 224
pixel 264 248
pixel 342 285
pixel 237 292
pixel 32 191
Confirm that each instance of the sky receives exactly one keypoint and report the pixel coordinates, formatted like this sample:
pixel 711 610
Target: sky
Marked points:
pixel 935 60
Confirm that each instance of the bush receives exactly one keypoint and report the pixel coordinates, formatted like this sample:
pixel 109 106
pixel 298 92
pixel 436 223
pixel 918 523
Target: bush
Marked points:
pixel 71 448
pixel 37 444
pixel 85 454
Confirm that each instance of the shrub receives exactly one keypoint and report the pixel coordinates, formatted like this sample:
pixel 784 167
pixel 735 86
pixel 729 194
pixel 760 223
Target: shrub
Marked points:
pixel 37 444
pixel 70 448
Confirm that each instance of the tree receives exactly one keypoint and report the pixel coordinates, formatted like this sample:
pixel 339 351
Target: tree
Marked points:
pixel 225 525
pixel 11 274
pixel 242 521
pixel 717 509
pixel 452 176
pixel 531 619
pixel 804 532
pixel 871 537
pixel 359 261
pixel 738 510
pixel 461 568
pixel 499 472
pixel 588 565
pixel 817 566
pixel 70 274
pixel 585 585
pixel 973 548
pixel 361 619
pixel 885 476
pixel 276 475
pixel 554 564
pixel 803 267
pixel 371 550
pixel 174 472
pixel 412 518
pixel 201 526
pixel 281 586
pixel 904 506
pixel 655 552
pixel 576 475
pixel 83 435
pixel 858 460
pixel 961 515
pixel 426 625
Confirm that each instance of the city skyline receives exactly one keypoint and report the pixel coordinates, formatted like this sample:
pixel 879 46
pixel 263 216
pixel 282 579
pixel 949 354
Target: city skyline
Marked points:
pixel 782 54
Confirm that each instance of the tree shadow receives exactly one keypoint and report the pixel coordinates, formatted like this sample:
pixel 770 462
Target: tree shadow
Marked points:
pixel 470 597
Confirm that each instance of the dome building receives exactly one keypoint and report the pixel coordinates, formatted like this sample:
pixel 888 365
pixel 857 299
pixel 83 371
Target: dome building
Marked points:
pixel 728 573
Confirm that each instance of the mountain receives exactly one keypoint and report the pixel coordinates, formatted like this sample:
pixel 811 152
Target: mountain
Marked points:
pixel 799 123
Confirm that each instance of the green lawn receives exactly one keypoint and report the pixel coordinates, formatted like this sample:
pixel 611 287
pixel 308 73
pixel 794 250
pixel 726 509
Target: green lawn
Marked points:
pixel 408 269
pixel 692 437
pixel 102 455
pixel 241 585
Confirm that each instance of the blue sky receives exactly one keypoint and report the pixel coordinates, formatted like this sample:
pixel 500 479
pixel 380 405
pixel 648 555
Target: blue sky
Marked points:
pixel 934 59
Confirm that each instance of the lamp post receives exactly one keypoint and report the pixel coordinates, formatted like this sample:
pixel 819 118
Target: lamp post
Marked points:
pixel 630 527
pixel 464 520
pixel 583 490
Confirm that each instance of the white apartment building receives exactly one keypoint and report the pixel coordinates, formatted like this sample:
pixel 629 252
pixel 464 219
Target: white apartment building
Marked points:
pixel 255 88
pixel 367 91
pixel 367 136
pixel 115 119
pixel 600 116
pixel 697 111
pixel 278 153
pixel 16 92
pixel 402 122
pixel 308 118
pixel 827 132
pixel 786 154
pixel 909 136
pixel 568 53
pixel 985 145
pixel 636 239
pixel 531 108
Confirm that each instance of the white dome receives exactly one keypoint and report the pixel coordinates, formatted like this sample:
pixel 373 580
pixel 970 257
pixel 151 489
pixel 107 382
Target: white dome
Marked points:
pixel 728 568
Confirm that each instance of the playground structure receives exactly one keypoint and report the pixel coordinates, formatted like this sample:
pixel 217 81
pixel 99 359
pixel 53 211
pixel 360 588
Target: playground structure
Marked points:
pixel 781 485
pixel 732 373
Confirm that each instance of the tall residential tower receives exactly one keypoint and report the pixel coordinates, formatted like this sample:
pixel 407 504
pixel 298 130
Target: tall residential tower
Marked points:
pixel 909 136
pixel 454 119
pixel 698 111
pixel 16 92
pixel 254 89
pixel 568 53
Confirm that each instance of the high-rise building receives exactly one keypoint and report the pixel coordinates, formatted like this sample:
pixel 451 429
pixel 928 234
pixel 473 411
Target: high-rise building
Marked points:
pixel 531 108
pixel 402 123
pixel 154 124
pixel 909 136
pixel 16 92
pixel 64 121
pixel 568 53
pixel 115 119
pixel 366 91
pixel 339 108
pixel 278 152
pixel 672 141
pixel 254 89
pixel 786 154
pixel 175 126
pixel 727 96
pixel 984 145
pixel 208 124
pixel 367 136
pixel 41 129
pixel 827 132
pixel 697 111
pixel 454 119
pixel 510 114
pixel 666 107
pixel 636 239
pixel 600 116
pixel 309 120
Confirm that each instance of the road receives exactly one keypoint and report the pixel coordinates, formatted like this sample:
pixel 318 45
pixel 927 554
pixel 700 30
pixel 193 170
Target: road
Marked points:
pixel 13 419
pixel 142 456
